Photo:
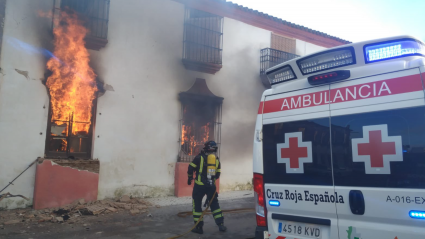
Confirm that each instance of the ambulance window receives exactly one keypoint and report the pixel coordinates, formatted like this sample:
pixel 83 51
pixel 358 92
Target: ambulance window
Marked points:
pixel 306 147
pixel 380 149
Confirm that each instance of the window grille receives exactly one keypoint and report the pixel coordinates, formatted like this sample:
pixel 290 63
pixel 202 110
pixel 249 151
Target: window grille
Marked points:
pixel 95 14
pixel 199 123
pixel 64 142
pixel 203 37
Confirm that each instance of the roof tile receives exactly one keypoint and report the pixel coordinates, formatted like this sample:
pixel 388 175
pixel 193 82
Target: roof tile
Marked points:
pixel 231 4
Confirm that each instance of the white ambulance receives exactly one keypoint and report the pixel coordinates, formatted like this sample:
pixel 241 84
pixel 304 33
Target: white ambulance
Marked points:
pixel 339 145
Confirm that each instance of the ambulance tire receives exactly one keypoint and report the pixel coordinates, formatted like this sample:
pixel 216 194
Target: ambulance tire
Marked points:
pixel 259 232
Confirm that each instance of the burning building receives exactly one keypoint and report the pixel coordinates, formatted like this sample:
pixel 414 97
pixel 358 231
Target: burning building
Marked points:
pixel 72 89
pixel 177 72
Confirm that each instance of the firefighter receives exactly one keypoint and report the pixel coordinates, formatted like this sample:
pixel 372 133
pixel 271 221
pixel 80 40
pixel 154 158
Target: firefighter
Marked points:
pixel 207 168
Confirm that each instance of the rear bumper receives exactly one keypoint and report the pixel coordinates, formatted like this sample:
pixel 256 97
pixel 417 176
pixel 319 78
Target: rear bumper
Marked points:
pixel 259 232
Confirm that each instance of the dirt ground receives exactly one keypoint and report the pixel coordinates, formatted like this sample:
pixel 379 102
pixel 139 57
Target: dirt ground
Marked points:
pixel 150 222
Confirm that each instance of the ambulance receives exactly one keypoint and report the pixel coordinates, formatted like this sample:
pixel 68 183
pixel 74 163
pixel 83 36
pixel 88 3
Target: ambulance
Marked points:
pixel 339 144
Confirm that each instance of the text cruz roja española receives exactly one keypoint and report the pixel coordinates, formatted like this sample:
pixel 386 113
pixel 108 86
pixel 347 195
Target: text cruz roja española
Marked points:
pixel 308 197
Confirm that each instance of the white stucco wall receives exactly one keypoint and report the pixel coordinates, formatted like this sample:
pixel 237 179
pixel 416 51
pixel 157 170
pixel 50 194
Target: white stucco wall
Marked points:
pixel 303 48
pixel 138 125
pixel 136 130
pixel 23 101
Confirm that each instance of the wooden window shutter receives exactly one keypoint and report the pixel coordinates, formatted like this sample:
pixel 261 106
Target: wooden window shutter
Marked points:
pixel 283 43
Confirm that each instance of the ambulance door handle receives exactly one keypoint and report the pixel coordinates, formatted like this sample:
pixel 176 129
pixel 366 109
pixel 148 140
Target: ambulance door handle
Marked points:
pixel 357 204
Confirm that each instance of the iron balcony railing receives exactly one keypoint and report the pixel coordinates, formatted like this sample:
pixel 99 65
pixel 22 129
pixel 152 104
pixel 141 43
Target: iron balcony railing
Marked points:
pixel 270 57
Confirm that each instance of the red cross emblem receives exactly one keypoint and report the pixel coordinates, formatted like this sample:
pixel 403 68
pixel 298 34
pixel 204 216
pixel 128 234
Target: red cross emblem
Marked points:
pixel 376 149
pixel 294 153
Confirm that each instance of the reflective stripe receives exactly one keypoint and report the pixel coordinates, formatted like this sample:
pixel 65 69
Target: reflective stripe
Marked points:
pixel 216 166
pixel 218 216
pixel 199 183
pixel 193 165
pixel 202 164
pixel 218 210
pixel 189 175
pixel 197 213
pixel 197 219
pixel 200 171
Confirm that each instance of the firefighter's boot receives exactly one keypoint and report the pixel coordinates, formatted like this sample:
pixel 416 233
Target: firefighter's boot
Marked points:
pixel 222 228
pixel 198 229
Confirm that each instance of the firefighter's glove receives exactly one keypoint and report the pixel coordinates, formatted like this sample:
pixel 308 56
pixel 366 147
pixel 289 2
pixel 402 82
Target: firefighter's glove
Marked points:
pixel 189 181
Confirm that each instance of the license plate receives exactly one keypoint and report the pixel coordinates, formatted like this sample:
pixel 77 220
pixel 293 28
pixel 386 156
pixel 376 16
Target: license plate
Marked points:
pixel 300 229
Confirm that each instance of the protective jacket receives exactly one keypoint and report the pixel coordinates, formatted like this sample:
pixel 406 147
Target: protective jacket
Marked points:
pixel 199 165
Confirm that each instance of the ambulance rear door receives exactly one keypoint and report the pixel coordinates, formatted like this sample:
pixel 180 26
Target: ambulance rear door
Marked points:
pixel 378 153
pixel 299 192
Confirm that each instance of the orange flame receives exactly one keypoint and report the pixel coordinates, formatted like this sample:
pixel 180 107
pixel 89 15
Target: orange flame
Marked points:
pixel 191 143
pixel 184 134
pixel 64 144
pixel 72 85
pixel 206 132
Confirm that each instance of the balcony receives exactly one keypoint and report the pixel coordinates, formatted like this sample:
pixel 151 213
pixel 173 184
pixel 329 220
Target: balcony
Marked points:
pixel 203 41
pixel 270 57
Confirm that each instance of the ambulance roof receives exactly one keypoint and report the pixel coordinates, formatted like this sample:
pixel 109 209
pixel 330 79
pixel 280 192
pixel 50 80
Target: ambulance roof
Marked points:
pixel 359 69
pixel 355 45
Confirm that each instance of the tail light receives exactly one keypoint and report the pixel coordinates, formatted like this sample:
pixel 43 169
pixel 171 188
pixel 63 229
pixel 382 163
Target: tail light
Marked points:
pixel 260 205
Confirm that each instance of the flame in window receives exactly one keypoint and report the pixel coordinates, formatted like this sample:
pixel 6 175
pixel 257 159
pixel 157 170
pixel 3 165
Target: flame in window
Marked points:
pixel 205 131
pixel 194 138
pixel 185 133
pixel 64 144
pixel 72 85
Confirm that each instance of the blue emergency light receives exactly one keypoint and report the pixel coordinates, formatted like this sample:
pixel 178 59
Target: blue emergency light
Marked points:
pixel 274 203
pixel 394 49
pixel 417 214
